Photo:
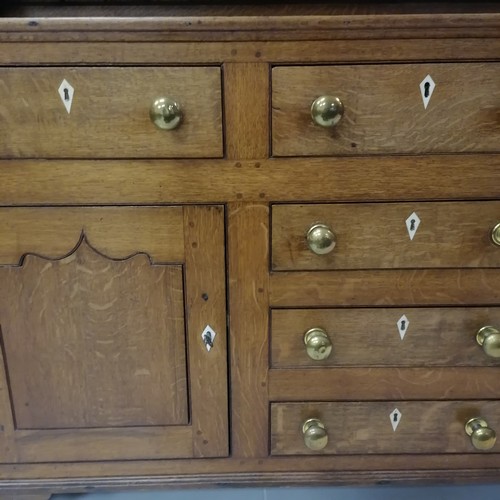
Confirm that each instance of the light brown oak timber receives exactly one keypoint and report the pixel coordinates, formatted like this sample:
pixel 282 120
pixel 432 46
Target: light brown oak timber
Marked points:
pixel 356 384
pixel 48 53
pixel 248 254
pixel 206 306
pixel 366 427
pixel 385 288
pixel 117 232
pixel 419 337
pixel 114 332
pixel 377 235
pixel 384 110
pixel 246 98
pixel 438 177
pixel 108 119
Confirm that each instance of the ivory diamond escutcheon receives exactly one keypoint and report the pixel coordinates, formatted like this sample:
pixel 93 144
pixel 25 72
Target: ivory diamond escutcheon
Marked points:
pixel 395 417
pixel 66 91
pixel 208 337
pixel 427 86
pixel 403 324
pixel 412 223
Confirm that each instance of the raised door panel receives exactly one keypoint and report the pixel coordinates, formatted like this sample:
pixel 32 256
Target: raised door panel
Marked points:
pixel 95 339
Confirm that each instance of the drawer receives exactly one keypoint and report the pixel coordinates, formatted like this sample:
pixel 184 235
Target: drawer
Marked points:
pixel 382 427
pixel 384 109
pixel 416 337
pixel 105 112
pixel 386 235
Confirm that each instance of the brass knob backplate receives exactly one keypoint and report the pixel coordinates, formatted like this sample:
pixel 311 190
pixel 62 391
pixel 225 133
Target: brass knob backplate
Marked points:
pixel 321 239
pixel 495 235
pixel 489 338
pixel 318 344
pixel 482 437
pixel 165 113
pixel 327 111
pixel 315 435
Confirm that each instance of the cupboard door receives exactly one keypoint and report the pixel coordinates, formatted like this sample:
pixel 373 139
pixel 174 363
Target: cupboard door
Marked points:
pixel 105 317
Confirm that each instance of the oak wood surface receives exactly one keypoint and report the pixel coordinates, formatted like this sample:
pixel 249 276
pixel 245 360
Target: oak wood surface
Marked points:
pixel 395 178
pixel 117 232
pixel 366 427
pixel 109 115
pixel 206 306
pixel 384 110
pixel 377 236
pixel 385 288
pixel 358 384
pixel 103 340
pixel 372 337
pixel 248 253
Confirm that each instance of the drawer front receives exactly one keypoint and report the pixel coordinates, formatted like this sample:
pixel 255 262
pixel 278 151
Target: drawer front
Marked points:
pixel 105 112
pixel 416 337
pixel 386 235
pixel 381 427
pixel 384 109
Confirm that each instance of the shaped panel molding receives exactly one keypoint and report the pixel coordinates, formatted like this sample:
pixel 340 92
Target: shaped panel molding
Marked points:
pixel 94 342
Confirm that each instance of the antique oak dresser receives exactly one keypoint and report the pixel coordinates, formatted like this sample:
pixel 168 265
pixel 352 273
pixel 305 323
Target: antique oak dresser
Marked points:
pixel 253 244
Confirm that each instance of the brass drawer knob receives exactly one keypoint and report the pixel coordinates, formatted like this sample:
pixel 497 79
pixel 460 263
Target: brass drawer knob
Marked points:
pixel 165 113
pixel 315 435
pixel 327 111
pixel 321 239
pixel 318 344
pixel 495 235
pixel 482 437
pixel 489 338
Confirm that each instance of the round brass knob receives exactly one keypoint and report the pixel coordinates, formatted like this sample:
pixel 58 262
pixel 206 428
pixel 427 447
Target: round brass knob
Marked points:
pixel 318 344
pixel 321 239
pixel 482 437
pixel 489 338
pixel 315 435
pixel 327 111
pixel 165 113
pixel 495 235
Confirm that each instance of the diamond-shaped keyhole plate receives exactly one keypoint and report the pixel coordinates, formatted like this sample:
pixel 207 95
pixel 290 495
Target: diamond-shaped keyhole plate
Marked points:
pixel 412 223
pixel 427 86
pixel 403 324
pixel 395 417
pixel 66 92
pixel 208 337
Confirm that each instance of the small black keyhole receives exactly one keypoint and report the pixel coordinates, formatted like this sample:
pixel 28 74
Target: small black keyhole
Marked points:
pixel 208 340
pixel 403 325
pixel 66 94
pixel 412 225
pixel 426 89
pixel 395 417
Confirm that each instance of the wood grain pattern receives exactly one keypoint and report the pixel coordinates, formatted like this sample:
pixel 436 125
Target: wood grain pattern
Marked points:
pixel 117 232
pixel 358 384
pixel 246 98
pixel 371 337
pixel 104 342
pixel 384 111
pixel 206 306
pixel 385 288
pixel 108 119
pixel 248 253
pixel 375 236
pixel 355 428
pixel 26 53
pixel 403 178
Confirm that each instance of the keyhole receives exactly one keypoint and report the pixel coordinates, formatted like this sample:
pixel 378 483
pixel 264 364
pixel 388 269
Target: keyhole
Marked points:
pixel 208 340
pixel 395 417
pixel 412 225
pixel 66 94
pixel 403 325
pixel 426 89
